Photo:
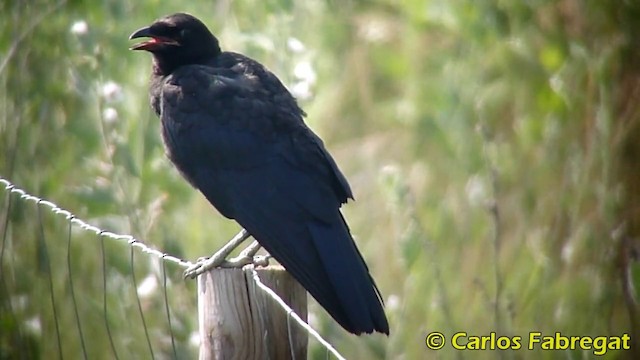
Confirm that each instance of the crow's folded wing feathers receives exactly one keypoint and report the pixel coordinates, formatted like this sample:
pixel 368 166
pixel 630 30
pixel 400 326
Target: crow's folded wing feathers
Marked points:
pixel 225 121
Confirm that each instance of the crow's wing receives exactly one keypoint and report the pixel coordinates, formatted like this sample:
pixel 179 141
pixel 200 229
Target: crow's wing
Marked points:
pixel 246 148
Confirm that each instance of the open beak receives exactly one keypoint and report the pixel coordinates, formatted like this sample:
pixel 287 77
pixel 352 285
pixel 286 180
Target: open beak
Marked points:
pixel 151 44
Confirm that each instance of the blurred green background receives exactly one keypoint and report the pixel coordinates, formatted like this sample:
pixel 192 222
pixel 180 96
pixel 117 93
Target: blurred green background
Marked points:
pixel 492 146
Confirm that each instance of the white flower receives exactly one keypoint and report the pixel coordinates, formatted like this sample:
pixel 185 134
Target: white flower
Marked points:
pixel 295 45
pixel 79 27
pixel 476 191
pixel 393 302
pixel 110 115
pixel 34 325
pixel 194 339
pixel 111 91
pixel 306 76
pixel 304 71
pixel 301 90
pixel 148 286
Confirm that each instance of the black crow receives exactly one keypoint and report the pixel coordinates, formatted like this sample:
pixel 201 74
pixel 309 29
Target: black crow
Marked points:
pixel 237 135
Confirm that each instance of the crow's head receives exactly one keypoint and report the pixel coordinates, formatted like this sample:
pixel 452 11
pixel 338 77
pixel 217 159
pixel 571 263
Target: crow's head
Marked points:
pixel 177 40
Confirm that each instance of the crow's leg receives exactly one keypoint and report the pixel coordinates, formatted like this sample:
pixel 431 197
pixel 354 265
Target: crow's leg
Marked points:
pixel 217 259
pixel 248 256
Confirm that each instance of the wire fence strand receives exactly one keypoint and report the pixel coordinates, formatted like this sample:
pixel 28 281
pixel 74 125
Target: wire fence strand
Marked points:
pixel 42 247
pixel 105 306
pixel 135 289
pixel 132 241
pixel 135 243
pixel 73 293
pixel 4 290
pixel 166 307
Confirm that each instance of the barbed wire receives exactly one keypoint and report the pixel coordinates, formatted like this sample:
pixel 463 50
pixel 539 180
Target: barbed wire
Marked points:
pixel 135 243
pixel 132 241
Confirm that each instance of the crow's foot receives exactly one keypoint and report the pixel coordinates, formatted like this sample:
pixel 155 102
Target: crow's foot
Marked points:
pixel 219 258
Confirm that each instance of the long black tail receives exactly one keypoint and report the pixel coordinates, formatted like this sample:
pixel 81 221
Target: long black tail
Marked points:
pixel 359 308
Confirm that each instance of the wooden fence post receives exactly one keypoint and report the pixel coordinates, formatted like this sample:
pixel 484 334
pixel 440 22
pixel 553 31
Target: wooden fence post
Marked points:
pixel 240 321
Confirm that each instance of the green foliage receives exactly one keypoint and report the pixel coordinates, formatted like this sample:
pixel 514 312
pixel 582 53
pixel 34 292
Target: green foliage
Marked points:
pixel 488 144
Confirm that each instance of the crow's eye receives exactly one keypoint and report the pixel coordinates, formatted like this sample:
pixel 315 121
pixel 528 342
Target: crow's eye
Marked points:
pixel 170 31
